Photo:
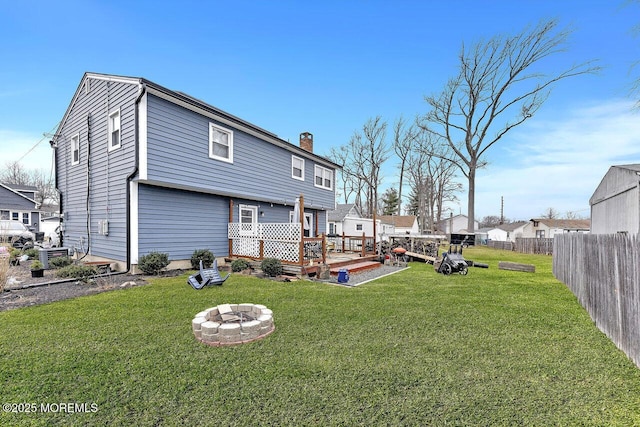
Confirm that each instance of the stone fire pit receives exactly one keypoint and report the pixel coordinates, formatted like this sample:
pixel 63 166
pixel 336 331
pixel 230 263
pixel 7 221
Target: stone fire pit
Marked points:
pixel 230 324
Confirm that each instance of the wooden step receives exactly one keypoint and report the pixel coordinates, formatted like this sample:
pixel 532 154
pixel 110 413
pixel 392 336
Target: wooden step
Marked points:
pixel 356 267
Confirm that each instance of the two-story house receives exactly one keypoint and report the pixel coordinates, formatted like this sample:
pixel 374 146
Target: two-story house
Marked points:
pixel 143 168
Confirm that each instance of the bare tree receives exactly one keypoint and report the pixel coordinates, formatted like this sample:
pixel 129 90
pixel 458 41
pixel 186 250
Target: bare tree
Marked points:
pixel 499 86
pixel 403 140
pixel 550 213
pixel 15 173
pixel 431 179
pixel 375 153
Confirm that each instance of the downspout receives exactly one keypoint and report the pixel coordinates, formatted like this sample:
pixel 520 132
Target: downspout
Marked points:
pixel 142 90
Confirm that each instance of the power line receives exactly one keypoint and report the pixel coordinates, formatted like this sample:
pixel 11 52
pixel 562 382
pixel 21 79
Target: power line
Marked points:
pixel 44 136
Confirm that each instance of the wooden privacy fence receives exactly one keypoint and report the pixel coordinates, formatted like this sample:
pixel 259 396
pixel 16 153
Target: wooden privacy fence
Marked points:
pixel 534 245
pixel 602 270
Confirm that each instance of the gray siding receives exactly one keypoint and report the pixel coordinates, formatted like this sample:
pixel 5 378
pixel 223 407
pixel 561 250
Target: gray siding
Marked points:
pixel 615 205
pixel 178 222
pixel 107 174
pixel 178 155
pixel 13 201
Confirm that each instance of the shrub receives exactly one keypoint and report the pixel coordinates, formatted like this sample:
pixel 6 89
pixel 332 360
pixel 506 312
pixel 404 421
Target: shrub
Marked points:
pixel 239 265
pixel 271 267
pixel 59 262
pixel 81 272
pixel 153 262
pixel 205 255
pixel 36 265
pixel 32 253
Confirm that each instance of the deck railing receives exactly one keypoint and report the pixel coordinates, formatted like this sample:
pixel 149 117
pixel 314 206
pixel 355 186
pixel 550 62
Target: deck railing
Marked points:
pixel 283 241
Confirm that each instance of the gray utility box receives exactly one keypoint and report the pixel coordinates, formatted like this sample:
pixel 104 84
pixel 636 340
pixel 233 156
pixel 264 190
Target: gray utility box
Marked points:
pixel 47 254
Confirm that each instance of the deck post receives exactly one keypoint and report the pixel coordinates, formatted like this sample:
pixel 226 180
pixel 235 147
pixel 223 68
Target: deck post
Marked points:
pixel 324 248
pixel 343 241
pixel 301 220
pixel 364 240
pixel 230 222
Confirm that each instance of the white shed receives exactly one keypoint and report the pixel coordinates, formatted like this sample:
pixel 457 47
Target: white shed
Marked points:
pixel 615 205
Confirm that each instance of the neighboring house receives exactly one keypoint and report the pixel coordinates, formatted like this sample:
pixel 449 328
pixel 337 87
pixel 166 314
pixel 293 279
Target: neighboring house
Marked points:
pixel 456 225
pixel 17 202
pixel 347 219
pixel 142 168
pixel 615 204
pixel 508 232
pixel 400 224
pixel 547 228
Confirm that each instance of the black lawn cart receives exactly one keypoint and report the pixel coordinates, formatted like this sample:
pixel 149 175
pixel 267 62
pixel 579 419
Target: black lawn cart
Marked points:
pixel 452 262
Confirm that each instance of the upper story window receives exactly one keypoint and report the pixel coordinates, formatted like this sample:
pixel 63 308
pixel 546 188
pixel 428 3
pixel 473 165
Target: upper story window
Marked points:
pixel 75 149
pixel 114 130
pixel 220 143
pixel 323 177
pixel 297 168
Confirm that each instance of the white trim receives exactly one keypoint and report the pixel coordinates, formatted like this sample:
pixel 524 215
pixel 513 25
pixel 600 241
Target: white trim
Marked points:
pixel 293 159
pixel 143 165
pixel 214 127
pixel 133 221
pixel 322 170
pixel 75 146
pixel 111 128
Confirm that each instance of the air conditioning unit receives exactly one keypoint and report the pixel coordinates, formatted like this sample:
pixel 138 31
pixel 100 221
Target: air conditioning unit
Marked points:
pixel 49 253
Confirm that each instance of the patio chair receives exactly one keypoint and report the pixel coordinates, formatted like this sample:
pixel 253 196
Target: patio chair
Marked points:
pixel 207 276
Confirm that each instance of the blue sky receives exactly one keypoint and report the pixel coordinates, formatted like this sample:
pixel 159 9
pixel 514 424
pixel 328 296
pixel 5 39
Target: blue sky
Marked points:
pixel 326 67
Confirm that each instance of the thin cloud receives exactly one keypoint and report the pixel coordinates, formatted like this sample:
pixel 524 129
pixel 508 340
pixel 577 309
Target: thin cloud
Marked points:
pixel 558 162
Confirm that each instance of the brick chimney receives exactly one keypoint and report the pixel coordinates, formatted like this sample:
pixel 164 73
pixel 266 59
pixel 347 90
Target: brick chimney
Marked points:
pixel 306 141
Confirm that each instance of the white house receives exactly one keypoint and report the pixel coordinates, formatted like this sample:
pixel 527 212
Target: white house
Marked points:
pixel 400 224
pixel 547 228
pixel 347 219
pixel 457 224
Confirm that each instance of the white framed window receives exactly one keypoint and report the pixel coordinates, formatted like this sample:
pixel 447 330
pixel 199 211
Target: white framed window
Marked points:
pixel 358 227
pixel 297 168
pixel 220 143
pixel 75 149
pixel 323 177
pixel 114 130
pixel 248 220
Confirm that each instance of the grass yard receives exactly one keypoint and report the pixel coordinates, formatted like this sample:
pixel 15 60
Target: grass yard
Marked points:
pixel 415 348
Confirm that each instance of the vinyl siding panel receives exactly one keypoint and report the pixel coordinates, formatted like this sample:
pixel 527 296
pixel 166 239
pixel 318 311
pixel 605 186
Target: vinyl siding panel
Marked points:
pixel 615 204
pixel 178 155
pixel 178 222
pixel 12 201
pixel 104 172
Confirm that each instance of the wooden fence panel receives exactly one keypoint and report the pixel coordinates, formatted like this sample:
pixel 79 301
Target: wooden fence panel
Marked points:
pixel 603 272
pixel 534 246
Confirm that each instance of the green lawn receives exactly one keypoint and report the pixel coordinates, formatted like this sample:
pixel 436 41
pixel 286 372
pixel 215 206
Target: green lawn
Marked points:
pixel 415 348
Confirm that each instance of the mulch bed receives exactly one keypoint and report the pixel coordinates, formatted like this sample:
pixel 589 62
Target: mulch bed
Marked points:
pixel 23 290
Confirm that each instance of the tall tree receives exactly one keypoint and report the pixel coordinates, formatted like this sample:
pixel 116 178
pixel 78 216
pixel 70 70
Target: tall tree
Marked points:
pixel 390 201
pixel 499 86
pixel 15 173
pixel 403 139
pixel 376 152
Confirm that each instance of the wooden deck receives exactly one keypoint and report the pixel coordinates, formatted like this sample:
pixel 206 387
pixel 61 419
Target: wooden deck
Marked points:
pixel 335 261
